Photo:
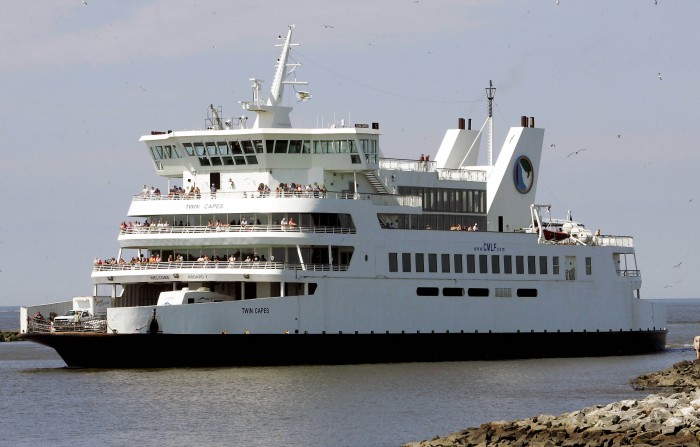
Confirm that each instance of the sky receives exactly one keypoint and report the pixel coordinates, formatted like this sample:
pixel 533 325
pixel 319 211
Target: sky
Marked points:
pixel 80 82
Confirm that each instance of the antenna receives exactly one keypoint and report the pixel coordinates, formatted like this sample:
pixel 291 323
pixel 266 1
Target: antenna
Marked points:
pixel 490 93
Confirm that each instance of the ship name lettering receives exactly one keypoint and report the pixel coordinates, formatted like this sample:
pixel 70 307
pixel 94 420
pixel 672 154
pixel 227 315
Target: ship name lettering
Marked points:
pixel 213 205
pixel 255 310
pixel 196 276
pixel 157 277
pixel 192 207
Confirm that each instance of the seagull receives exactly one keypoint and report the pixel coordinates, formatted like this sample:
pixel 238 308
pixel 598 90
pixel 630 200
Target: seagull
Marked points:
pixel 660 76
pixel 575 152
pixel 678 265
pixel 328 26
pixel 552 145
pixel 619 135
pixel 557 2
pixel 84 2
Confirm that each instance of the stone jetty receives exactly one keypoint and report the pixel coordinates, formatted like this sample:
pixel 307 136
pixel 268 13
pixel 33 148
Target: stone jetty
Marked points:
pixel 9 336
pixel 661 419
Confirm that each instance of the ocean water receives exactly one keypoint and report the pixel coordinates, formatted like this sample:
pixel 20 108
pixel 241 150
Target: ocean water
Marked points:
pixel 44 403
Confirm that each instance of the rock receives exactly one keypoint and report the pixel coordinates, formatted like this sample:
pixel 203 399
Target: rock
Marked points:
pixel 9 336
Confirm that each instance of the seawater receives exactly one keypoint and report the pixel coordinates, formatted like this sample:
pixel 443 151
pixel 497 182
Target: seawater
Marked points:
pixel 44 403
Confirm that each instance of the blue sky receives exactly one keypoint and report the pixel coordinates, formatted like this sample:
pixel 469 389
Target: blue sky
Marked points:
pixel 80 83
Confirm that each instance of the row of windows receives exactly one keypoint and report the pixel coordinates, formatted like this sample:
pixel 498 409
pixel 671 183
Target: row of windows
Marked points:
pixel 446 263
pixel 449 200
pixel 234 152
pixel 442 222
pixel 475 292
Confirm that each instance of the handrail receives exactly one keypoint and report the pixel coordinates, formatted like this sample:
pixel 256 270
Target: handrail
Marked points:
pixel 91 324
pixel 225 228
pixel 223 194
pixel 265 265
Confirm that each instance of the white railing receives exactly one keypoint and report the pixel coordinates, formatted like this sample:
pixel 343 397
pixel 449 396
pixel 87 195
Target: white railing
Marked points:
pixel 396 164
pixel 467 174
pixel 92 324
pixel 225 228
pixel 614 241
pixel 227 195
pixel 470 175
pixel 176 265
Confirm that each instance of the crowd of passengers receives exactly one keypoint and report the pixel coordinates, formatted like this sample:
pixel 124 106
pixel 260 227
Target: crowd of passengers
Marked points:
pixel 214 224
pixel 283 189
pixel 202 259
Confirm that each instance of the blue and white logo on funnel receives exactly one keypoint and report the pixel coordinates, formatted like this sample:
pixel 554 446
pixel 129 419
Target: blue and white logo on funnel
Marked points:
pixel 523 174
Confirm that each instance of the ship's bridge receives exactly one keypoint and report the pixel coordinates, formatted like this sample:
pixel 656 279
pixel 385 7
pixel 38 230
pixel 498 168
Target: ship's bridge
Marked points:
pixel 240 150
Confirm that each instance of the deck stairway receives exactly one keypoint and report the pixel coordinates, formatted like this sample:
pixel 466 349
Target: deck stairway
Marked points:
pixel 375 181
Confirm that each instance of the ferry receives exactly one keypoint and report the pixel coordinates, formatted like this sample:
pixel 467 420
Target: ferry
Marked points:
pixel 278 245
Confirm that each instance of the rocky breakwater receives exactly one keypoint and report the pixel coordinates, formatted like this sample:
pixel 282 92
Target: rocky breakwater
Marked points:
pixel 658 420
pixel 9 336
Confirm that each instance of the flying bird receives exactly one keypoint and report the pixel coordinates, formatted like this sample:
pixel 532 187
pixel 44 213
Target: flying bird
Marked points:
pixel 84 2
pixel 552 145
pixel 660 76
pixel 678 265
pixel 576 152
pixel 328 26
pixel 619 135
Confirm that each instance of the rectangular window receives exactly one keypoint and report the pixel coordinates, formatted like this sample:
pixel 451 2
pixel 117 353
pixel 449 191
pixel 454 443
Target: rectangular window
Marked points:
pixel 281 146
pixel 519 265
pixel 406 261
pixel 555 265
pixel 295 147
pixel 543 265
pixel 495 264
pixel 531 267
pixel 223 148
pixel 527 293
pixel 471 265
pixel 236 147
pixel 427 291
pixel 247 147
pixel 432 262
pixel 589 266
pixel 452 291
pixel 458 263
pixel 474 291
pixel 483 264
pixel 445 261
pixel 420 262
pixel 393 262
pixel 508 264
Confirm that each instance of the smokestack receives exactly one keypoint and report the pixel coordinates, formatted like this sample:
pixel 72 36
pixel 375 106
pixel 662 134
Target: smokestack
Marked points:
pixel 460 124
pixel 469 124
pixel 532 121
pixel 523 121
